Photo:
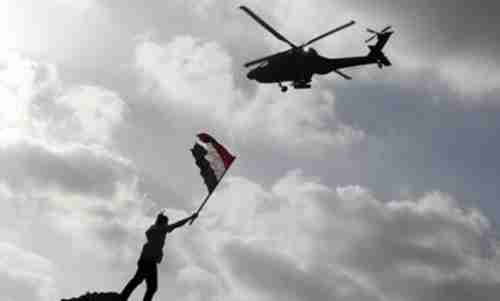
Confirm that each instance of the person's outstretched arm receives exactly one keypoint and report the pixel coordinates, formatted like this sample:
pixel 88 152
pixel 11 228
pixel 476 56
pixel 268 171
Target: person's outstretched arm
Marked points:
pixel 180 223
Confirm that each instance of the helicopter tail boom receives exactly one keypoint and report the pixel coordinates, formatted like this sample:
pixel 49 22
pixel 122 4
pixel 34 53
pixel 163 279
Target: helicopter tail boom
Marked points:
pixel 380 57
pixel 325 65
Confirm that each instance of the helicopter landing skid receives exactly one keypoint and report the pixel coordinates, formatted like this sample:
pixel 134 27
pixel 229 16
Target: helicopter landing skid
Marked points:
pixel 282 87
pixel 302 85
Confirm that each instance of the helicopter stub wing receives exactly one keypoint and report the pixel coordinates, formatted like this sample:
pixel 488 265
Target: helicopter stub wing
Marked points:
pixel 342 74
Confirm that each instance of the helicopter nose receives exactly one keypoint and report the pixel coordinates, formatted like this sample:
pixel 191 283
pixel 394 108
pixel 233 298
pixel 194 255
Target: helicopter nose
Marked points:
pixel 252 74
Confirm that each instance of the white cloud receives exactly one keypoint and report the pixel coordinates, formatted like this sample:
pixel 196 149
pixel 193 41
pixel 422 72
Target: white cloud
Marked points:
pixel 191 74
pixel 92 111
pixel 25 275
pixel 37 104
pixel 54 136
pixel 471 77
pixel 199 284
pixel 22 81
pixel 79 5
pixel 195 77
pixel 105 228
pixel 57 29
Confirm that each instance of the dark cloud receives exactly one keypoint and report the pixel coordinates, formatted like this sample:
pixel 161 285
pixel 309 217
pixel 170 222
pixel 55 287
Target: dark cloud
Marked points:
pixel 28 167
pixel 280 278
pixel 456 28
pixel 463 289
pixel 345 240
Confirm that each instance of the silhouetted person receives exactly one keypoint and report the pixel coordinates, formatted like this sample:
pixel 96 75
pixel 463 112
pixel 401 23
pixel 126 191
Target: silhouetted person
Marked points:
pixel 151 255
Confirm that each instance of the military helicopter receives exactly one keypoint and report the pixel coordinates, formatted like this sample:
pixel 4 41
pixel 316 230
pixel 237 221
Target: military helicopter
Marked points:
pixel 297 65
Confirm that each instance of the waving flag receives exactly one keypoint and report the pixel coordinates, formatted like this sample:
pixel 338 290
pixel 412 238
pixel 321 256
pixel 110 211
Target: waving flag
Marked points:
pixel 212 158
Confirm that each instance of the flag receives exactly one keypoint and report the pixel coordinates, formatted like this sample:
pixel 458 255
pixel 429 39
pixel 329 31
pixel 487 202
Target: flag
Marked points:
pixel 212 158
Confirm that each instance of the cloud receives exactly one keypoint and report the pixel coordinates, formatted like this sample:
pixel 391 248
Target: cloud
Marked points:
pixel 194 77
pixel 79 5
pixel 272 274
pixel 26 275
pixel 40 105
pixel 30 166
pixel 91 111
pixel 109 229
pixel 98 218
pixel 103 232
pixel 62 30
pixel 54 137
pixel 472 76
pixel 191 73
pixel 22 82
pixel 198 284
pixel 59 167
pixel 63 185
pixel 303 240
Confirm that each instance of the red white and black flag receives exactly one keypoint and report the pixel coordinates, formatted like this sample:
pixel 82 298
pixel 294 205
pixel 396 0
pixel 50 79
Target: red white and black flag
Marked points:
pixel 212 158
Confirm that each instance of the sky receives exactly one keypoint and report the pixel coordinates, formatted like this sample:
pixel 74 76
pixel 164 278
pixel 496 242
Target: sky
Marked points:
pixel 380 188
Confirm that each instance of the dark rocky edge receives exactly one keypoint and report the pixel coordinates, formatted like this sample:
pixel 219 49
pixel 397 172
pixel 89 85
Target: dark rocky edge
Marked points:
pixel 108 296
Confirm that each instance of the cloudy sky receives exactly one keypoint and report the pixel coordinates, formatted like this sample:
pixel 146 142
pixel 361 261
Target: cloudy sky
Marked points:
pixel 381 188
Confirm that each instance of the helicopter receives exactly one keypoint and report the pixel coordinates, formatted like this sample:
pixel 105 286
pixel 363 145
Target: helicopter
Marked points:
pixel 297 65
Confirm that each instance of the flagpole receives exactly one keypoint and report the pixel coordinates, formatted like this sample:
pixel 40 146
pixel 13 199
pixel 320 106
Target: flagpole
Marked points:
pixel 210 193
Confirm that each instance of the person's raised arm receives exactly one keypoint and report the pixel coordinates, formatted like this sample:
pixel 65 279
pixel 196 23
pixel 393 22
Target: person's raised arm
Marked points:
pixel 180 223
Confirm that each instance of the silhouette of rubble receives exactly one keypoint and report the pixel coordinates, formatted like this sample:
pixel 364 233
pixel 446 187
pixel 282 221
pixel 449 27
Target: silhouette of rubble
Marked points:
pixel 108 296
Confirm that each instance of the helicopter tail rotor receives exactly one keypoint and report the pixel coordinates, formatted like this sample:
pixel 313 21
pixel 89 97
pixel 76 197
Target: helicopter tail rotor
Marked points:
pixel 376 50
pixel 376 33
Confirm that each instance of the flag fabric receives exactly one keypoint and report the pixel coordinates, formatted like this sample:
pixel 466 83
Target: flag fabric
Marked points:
pixel 212 158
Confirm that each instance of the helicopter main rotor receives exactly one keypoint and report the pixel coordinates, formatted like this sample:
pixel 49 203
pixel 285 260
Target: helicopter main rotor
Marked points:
pixel 267 26
pixel 285 40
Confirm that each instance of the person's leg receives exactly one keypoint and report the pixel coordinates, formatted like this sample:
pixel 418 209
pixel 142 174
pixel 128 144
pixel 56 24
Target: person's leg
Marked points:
pixel 133 283
pixel 151 282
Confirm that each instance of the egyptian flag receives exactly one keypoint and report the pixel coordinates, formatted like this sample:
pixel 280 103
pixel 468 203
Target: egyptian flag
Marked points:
pixel 212 158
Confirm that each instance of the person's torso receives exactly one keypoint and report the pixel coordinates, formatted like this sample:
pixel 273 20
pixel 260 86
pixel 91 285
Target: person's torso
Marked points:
pixel 153 248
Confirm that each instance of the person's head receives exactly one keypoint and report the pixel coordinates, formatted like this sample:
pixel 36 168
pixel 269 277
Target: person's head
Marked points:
pixel 161 219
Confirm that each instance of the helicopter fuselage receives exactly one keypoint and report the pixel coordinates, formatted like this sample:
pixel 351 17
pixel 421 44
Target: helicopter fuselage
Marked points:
pixel 292 65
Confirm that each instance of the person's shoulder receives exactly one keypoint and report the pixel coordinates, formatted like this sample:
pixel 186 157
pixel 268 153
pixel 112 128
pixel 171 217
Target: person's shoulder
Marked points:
pixel 161 228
